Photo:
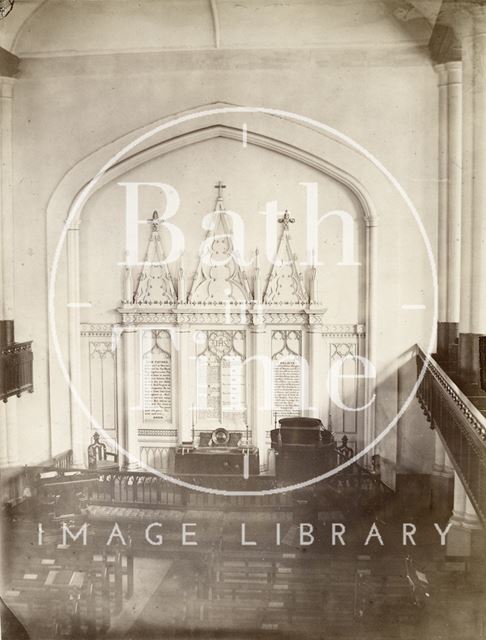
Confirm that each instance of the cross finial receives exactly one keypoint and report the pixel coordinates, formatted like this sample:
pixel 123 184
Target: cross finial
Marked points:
pixel 286 219
pixel 155 221
pixel 220 186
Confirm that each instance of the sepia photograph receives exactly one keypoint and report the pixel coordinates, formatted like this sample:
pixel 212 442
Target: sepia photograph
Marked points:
pixel 243 319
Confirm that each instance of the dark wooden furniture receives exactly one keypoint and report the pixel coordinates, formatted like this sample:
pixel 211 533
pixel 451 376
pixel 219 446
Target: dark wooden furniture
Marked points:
pixel 58 493
pixel 304 448
pixel 220 452
pixel 16 363
pixel 69 591
pixel 482 361
pixel 99 457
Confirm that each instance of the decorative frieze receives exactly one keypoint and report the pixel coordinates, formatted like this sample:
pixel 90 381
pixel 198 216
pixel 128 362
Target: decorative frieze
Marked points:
pixel 104 330
pixel 157 433
pixel 220 316
pixel 100 330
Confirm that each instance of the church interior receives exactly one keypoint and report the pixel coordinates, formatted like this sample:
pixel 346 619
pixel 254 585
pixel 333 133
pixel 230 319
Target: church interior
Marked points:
pixel 243 319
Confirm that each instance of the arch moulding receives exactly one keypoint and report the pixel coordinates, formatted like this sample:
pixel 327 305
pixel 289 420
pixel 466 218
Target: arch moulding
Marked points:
pixel 316 148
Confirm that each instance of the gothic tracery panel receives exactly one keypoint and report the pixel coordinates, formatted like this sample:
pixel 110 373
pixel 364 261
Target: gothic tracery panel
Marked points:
pixel 102 386
pixel 221 377
pixel 342 356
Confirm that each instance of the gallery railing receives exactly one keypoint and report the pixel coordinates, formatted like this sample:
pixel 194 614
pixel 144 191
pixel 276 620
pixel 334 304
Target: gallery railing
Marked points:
pixel 460 425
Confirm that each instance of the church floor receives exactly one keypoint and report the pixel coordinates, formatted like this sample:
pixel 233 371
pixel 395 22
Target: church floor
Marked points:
pixel 224 589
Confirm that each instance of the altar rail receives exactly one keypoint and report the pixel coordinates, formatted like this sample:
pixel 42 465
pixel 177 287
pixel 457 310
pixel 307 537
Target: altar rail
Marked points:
pixel 62 460
pixel 355 484
pixel 460 425
pixel 135 488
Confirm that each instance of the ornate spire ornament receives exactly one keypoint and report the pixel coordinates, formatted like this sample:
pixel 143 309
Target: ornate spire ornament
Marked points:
pixel 285 284
pixel 219 278
pixel 286 219
pixel 155 220
pixel 155 286
pixel 220 186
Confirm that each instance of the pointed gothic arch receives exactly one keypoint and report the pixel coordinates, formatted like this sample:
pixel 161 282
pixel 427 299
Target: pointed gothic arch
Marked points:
pixel 278 134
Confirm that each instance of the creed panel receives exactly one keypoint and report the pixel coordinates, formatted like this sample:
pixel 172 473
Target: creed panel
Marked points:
pixel 287 372
pixel 157 376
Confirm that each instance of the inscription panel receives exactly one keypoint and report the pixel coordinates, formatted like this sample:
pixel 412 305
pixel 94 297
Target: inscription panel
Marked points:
pixel 287 373
pixel 157 376
pixel 287 387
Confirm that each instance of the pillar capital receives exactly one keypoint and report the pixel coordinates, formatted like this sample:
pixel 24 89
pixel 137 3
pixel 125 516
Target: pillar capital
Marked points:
pixel 449 72
pixel 458 16
pixel 454 71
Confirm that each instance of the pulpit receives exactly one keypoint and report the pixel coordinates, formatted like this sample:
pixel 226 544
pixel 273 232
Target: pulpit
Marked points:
pixel 304 448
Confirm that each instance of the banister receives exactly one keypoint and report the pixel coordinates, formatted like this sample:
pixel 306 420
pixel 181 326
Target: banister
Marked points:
pixel 460 426
pixel 472 413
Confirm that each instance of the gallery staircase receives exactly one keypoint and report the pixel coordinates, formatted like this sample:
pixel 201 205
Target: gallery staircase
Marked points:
pixel 458 414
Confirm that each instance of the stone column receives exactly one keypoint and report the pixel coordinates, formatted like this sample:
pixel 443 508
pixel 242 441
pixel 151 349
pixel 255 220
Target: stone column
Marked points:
pixel 371 331
pixel 470 26
pixel 459 508
pixel 448 467
pixel 12 432
pixel 442 474
pixel 478 246
pixel 454 194
pixel 314 363
pixel 185 416
pixel 439 457
pixel 8 411
pixel 442 221
pixel 261 387
pixel 79 440
pixel 132 400
pixel 464 523
pixel 3 437
pixel 449 227
pixel 442 465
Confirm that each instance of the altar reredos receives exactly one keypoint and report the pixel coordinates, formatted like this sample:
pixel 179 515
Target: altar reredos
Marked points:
pixel 222 291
